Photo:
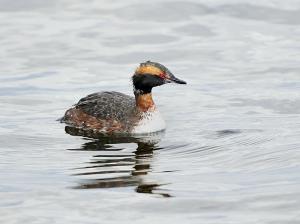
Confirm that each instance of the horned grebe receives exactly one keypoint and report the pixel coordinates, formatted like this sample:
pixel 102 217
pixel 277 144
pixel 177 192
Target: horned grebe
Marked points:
pixel 114 112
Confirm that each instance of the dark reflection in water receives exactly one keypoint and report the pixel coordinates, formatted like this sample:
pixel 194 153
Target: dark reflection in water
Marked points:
pixel 117 169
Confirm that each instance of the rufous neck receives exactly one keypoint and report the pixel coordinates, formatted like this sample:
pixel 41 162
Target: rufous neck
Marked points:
pixel 144 102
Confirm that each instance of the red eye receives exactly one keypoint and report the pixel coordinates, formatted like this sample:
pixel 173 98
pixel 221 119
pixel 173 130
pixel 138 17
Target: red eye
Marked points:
pixel 162 75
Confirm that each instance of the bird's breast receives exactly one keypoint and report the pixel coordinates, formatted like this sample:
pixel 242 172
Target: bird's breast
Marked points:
pixel 151 121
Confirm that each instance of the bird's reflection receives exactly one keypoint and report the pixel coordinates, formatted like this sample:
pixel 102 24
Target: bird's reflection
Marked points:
pixel 111 167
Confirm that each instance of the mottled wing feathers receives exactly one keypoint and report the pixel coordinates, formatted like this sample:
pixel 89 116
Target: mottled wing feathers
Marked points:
pixel 108 105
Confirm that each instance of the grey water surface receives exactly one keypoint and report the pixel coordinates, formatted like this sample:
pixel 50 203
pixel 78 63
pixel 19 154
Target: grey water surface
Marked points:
pixel 231 150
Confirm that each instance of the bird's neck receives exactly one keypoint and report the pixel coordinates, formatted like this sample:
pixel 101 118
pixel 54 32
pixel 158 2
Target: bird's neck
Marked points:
pixel 144 101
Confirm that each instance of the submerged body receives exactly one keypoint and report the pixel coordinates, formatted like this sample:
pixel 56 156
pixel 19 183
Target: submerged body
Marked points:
pixel 114 112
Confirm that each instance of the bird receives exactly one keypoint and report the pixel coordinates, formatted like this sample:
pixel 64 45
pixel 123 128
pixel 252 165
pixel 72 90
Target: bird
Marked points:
pixel 112 112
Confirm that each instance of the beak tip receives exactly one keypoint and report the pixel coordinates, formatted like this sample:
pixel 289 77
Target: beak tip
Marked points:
pixel 180 82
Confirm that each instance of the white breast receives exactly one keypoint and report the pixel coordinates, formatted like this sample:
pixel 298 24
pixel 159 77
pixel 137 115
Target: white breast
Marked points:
pixel 150 122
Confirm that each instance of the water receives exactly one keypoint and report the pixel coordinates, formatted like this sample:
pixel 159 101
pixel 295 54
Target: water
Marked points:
pixel 231 151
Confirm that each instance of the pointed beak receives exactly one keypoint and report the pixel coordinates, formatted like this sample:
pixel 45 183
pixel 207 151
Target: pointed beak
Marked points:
pixel 171 78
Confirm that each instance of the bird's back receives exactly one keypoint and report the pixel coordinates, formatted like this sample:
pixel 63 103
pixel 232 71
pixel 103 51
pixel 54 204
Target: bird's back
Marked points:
pixel 104 105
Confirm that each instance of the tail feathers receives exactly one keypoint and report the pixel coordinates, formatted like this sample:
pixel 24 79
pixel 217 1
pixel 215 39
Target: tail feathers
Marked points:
pixel 61 120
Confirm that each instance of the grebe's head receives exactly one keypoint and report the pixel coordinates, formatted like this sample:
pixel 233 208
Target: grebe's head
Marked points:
pixel 151 74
